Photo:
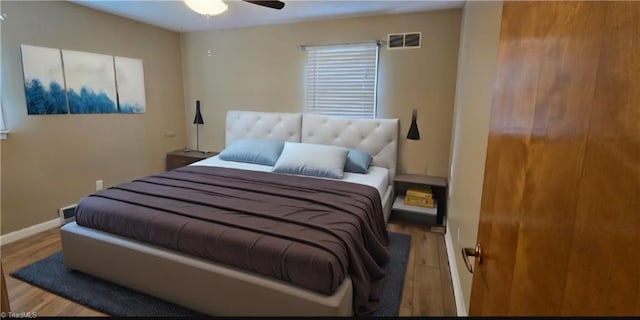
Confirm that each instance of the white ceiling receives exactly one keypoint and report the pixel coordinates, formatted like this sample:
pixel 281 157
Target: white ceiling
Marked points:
pixel 174 15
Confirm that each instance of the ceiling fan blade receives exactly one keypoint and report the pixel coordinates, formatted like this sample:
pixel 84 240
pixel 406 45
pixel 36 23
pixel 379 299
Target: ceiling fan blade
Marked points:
pixel 270 4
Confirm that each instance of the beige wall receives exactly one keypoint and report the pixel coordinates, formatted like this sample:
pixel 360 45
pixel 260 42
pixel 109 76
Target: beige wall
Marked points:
pixel 474 93
pixel 262 69
pixel 50 161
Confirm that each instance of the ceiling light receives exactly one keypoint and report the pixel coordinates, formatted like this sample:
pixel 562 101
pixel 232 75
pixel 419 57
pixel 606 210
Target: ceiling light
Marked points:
pixel 207 7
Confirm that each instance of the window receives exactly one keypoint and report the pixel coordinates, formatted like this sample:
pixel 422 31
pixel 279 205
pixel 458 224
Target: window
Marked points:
pixel 341 80
pixel 3 129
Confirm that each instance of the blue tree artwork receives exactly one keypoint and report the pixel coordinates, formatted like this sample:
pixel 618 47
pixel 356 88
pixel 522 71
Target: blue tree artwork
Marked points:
pixel 130 84
pixel 91 83
pixel 89 102
pixel 43 80
pixel 65 81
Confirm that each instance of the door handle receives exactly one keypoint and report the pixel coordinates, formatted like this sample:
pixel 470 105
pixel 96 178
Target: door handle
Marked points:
pixel 472 252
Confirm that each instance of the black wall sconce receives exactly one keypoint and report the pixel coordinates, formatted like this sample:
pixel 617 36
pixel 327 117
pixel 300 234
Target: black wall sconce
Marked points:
pixel 413 133
pixel 198 121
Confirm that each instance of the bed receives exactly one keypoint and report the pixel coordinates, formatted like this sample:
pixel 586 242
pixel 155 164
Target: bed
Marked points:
pixel 222 289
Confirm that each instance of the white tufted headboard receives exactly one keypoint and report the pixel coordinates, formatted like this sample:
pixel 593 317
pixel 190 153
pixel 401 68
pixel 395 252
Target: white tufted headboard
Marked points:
pixel 263 125
pixel 378 137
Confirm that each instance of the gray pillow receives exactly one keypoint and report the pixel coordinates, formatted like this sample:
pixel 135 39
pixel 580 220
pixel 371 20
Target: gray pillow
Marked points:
pixel 357 161
pixel 258 151
pixel 312 160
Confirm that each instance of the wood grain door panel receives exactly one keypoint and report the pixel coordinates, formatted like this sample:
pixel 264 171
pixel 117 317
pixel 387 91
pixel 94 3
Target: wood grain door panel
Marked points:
pixel 560 217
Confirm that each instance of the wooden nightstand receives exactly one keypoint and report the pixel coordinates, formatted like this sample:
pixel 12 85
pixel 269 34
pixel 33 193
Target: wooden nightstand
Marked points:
pixel 432 216
pixel 180 158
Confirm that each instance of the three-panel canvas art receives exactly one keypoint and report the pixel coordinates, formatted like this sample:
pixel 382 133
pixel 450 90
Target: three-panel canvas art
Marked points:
pixel 65 81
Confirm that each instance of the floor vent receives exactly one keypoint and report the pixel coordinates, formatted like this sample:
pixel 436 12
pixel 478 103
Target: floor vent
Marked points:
pixel 67 214
pixel 407 40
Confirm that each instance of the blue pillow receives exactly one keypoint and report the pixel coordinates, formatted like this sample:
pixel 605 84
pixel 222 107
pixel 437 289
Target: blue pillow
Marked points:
pixel 258 151
pixel 312 160
pixel 357 161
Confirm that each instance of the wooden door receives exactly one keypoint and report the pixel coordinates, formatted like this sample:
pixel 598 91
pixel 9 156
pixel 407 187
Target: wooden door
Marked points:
pixel 560 214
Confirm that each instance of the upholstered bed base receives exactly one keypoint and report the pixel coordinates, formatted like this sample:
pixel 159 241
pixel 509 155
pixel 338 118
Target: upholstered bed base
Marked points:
pixel 195 283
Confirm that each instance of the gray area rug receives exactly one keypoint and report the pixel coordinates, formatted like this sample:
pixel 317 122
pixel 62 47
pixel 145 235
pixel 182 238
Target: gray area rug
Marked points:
pixel 50 274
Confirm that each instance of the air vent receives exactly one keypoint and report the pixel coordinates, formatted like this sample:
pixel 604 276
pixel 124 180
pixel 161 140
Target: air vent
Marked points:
pixel 67 214
pixel 407 40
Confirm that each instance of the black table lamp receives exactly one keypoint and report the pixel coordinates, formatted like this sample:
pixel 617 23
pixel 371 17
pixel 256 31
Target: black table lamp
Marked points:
pixel 198 121
pixel 413 133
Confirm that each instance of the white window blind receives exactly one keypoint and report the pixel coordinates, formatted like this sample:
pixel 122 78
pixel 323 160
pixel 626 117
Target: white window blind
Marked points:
pixel 341 80
pixel 2 127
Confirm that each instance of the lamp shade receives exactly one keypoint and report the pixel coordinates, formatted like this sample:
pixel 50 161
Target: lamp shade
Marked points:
pixel 413 133
pixel 198 118
pixel 207 7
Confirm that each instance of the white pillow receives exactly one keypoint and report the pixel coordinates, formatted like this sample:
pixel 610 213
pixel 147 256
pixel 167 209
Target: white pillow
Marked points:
pixel 312 160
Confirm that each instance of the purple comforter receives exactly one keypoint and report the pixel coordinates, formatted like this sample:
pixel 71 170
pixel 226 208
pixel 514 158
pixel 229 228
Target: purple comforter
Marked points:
pixel 306 231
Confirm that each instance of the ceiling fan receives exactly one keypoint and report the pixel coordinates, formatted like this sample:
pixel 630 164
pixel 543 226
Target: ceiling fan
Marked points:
pixel 269 4
pixel 214 7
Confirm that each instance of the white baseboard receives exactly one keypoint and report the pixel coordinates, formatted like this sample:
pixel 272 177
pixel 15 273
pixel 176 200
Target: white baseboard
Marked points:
pixel 23 233
pixel 455 276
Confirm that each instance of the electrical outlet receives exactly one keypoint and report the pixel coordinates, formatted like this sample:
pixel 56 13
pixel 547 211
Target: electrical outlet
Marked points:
pixel 98 185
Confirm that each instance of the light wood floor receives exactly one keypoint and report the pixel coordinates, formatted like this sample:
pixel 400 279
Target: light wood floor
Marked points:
pixel 427 289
